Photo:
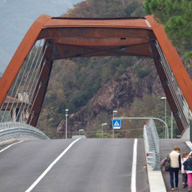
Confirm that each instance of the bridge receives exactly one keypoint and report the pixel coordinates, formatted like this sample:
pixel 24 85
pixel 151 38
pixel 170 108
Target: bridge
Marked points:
pixel 23 88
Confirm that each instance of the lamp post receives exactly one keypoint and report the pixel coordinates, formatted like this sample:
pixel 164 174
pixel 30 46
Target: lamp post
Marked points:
pixel 81 130
pixel 114 111
pixel 171 125
pixel 102 128
pixel 164 98
pixel 66 110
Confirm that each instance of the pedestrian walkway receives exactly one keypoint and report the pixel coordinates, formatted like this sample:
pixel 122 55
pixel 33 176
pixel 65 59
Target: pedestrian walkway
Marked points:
pixel 166 146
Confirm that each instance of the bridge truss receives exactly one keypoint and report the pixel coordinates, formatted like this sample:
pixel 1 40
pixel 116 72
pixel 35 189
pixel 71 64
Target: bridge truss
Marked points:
pixel 24 83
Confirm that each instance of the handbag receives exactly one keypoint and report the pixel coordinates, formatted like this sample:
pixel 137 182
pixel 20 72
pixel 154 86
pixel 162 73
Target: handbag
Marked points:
pixel 167 164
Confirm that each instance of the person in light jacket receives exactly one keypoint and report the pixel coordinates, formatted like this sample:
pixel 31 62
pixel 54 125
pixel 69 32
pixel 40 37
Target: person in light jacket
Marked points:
pixel 175 159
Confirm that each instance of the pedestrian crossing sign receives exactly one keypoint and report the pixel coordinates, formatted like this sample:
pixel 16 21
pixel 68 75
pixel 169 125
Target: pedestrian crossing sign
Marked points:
pixel 116 123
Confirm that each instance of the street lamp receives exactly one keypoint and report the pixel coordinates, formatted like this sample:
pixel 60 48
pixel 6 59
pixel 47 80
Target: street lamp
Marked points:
pixel 164 98
pixel 66 110
pixel 171 125
pixel 81 130
pixel 102 128
pixel 114 111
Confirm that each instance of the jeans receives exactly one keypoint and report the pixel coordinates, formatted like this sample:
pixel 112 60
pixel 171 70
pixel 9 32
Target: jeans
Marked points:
pixel 174 172
pixel 184 178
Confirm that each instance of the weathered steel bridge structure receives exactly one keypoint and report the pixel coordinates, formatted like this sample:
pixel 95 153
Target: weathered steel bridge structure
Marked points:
pixel 24 83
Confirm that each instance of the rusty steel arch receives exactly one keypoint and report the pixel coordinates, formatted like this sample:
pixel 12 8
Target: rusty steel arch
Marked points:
pixel 86 37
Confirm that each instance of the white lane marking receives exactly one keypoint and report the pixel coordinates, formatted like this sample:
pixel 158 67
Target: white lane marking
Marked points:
pixel 10 146
pixel 134 167
pixel 50 166
pixel 148 24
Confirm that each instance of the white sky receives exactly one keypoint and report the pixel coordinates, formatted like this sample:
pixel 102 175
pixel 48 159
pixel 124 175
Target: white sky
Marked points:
pixel 16 16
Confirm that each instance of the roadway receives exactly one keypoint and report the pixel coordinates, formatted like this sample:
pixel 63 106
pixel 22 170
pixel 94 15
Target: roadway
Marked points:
pixel 96 165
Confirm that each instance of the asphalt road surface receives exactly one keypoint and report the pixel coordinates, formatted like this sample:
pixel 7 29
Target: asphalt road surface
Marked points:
pixel 85 165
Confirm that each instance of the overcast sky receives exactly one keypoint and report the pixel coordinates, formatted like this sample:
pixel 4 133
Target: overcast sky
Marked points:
pixel 16 16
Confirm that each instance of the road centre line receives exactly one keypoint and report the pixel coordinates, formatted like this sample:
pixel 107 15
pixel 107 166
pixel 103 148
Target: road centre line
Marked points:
pixel 134 166
pixel 10 146
pixel 50 166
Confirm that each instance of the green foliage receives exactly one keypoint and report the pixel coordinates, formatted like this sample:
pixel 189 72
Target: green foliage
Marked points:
pixel 176 16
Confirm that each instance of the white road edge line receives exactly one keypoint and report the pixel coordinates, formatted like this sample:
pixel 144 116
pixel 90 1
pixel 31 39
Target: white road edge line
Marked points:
pixel 134 167
pixel 50 166
pixel 10 146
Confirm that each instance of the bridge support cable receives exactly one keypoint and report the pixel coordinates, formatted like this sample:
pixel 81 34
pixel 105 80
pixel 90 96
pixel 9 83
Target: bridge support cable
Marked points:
pixel 17 103
pixel 14 89
pixel 26 88
pixel 33 81
pixel 13 92
pixel 41 86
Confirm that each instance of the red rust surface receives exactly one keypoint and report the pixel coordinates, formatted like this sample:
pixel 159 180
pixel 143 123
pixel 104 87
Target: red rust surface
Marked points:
pixel 104 23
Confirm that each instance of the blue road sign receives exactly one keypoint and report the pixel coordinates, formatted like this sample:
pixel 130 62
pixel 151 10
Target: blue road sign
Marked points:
pixel 116 123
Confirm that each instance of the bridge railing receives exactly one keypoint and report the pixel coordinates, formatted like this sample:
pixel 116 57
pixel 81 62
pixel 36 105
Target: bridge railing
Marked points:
pixel 16 130
pixel 151 141
pixel 184 111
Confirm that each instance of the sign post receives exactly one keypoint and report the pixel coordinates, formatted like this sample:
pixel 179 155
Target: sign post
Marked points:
pixel 116 123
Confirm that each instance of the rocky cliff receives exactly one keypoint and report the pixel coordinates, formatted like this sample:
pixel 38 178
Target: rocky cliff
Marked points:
pixel 117 93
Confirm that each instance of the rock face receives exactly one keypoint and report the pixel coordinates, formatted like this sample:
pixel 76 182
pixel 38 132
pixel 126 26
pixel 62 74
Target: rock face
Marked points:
pixel 119 92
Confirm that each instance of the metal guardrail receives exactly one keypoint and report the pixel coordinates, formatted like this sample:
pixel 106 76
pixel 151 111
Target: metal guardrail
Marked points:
pixel 151 141
pixel 17 130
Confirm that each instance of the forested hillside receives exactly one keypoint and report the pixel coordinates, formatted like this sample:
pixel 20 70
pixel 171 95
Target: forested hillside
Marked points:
pixel 91 88
pixel 176 17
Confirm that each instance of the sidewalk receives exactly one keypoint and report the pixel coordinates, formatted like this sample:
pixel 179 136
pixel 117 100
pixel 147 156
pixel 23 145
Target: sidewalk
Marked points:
pixel 159 181
pixel 166 146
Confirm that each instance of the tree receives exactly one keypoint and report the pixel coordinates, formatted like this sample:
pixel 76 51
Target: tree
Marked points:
pixel 176 16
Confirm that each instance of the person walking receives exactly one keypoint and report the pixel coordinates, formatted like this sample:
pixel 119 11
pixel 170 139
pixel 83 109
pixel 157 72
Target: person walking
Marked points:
pixel 175 160
pixel 184 157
